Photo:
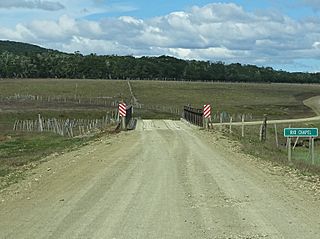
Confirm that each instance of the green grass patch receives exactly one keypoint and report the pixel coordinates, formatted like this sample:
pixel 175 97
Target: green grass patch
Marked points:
pixel 21 149
pixel 269 151
pixel 277 100
pixel 64 87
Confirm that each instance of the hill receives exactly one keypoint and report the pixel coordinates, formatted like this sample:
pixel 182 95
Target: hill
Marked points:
pixel 20 48
pixel 21 60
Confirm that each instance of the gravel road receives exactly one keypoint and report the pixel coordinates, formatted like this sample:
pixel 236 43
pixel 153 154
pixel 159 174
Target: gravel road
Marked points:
pixel 164 180
pixel 313 103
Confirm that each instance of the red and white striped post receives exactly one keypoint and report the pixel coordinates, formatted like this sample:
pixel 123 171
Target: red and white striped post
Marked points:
pixel 123 113
pixel 206 115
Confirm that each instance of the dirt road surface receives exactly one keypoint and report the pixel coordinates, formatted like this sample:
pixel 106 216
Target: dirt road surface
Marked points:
pixel 283 121
pixel 164 180
pixel 313 103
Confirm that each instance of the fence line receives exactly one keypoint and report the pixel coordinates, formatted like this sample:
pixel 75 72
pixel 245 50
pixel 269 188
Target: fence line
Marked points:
pixel 273 139
pixel 63 127
pixel 103 101
pixel 113 102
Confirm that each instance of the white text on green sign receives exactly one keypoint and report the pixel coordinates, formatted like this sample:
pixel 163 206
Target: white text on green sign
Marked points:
pixel 300 132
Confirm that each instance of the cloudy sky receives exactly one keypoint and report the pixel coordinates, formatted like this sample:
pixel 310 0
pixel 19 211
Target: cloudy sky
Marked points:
pixel 282 34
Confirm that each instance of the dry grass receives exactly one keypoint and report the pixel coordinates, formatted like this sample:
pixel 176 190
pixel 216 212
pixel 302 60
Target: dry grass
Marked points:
pixel 64 87
pixel 269 151
pixel 277 100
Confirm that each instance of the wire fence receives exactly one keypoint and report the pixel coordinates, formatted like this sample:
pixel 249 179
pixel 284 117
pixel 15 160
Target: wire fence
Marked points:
pixel 64 127
pixel 101 101
pixel 274 144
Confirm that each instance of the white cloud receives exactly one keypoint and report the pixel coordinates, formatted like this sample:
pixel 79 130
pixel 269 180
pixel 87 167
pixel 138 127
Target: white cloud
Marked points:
pixel 131 20
pixel 60 30
pixel 32 4
pixel 316 45
pixel 86 45
pixel 20 33
pixel 215 32
pixel 203 54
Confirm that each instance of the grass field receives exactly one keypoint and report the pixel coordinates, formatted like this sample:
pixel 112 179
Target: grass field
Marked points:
pixel 279 101
pixel 21 148
pixel 65 87
pixel 11 110
pixel 17 148
pixel 269 151
pixel 21 151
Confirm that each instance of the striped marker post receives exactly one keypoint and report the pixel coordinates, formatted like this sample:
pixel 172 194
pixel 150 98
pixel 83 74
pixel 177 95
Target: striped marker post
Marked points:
pixel 122 109
pixel 207 111
pixel 123 113
pixel 206 115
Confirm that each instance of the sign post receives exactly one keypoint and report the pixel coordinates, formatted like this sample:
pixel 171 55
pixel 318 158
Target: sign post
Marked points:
pixel 263 129
pixel 123 113
pixel 312 150
pixel 289 148
pixel 311 133
pixel 206 115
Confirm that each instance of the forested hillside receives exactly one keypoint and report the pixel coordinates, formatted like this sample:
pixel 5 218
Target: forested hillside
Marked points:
pixel 19 48
pixel 20 60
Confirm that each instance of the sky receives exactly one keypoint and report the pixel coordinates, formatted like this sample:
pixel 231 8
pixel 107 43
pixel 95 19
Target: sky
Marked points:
pixel 282 34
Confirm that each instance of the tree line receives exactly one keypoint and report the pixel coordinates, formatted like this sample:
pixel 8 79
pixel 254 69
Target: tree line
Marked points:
pixel 44 63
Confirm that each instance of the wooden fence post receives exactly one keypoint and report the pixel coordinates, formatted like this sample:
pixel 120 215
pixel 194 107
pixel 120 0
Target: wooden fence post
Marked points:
pixel 295 143
pixel 312 151
pixel 287 138
pixel 15 125
pixel 289 148
pixel 276 135
pixel 206 123
pixel 40 123
pixel 263 129
pixel 242 128
pixel 123 123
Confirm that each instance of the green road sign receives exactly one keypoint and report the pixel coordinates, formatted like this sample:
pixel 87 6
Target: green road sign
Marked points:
pixel 300 132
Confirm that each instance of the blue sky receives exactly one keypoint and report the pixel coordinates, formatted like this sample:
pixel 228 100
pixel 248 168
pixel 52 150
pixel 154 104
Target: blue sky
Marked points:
pixel 281 34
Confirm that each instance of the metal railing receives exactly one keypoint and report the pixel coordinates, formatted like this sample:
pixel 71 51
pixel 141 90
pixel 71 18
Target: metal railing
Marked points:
pixel 193 115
